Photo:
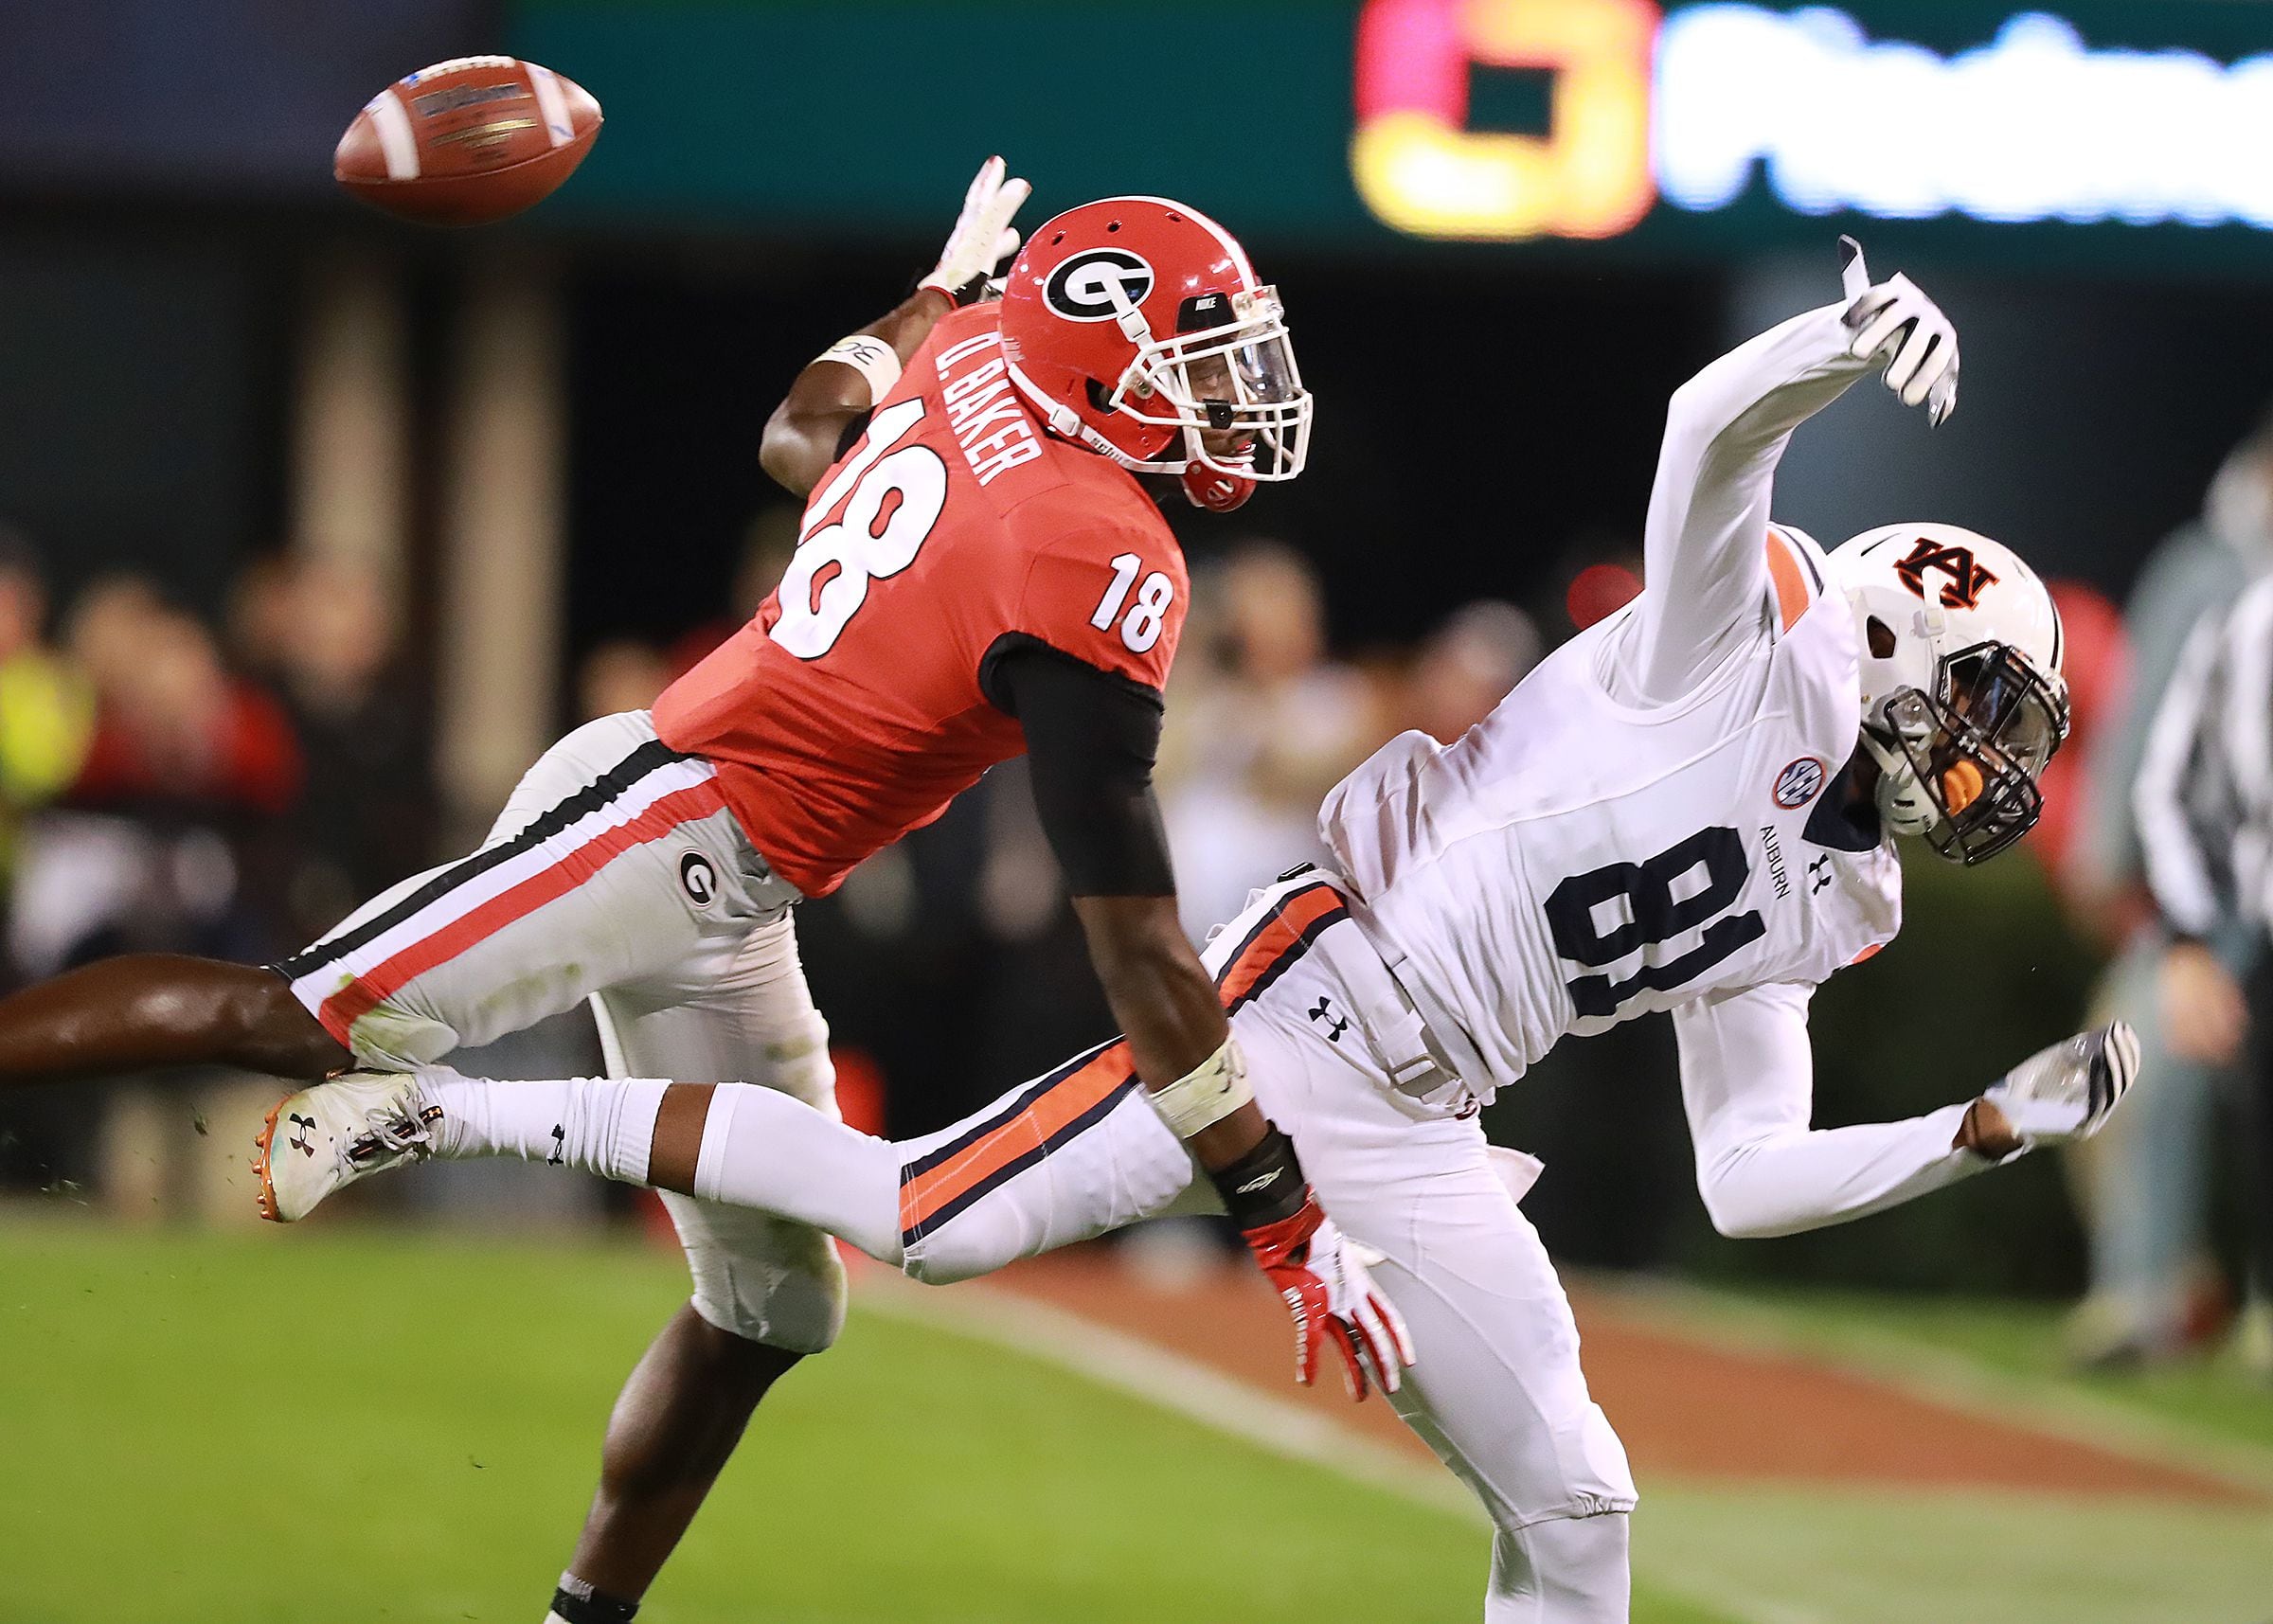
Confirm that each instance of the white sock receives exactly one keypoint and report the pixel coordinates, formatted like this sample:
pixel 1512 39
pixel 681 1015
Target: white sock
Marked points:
pixel 596 1124
pixel 764 1150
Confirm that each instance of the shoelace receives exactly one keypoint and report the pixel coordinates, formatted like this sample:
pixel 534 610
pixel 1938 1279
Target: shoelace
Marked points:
pixel 394 1132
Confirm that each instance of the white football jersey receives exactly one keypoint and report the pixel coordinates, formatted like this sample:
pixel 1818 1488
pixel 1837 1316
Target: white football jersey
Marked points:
pixel 1575 861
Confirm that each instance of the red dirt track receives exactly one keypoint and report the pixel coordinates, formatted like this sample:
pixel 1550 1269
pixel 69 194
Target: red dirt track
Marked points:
pixel 1684 1406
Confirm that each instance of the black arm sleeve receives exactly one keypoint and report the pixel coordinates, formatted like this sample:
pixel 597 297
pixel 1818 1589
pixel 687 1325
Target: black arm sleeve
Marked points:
pixel 853 430
pixel 1091 739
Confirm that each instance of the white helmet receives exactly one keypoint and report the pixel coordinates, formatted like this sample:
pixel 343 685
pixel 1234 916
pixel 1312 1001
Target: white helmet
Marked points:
pixel 1963 702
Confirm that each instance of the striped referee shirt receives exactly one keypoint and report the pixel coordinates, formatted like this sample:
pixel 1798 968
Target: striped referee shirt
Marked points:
pixel 2204 797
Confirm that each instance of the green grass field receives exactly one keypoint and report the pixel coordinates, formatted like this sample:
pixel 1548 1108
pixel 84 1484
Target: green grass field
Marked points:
pixel 349 1426
pixel 342 1428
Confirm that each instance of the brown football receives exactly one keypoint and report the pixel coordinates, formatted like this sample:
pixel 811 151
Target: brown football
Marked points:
pixel 468 141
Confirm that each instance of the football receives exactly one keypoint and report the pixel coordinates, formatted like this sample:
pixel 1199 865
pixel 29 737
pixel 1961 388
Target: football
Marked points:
pixel 467 141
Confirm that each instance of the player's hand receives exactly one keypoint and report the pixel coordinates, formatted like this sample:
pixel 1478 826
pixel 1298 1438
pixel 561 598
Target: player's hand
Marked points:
pixel 2205 1016
pixel 1896 320
pixel 2069 1091
pixel 982 237
pixel 1316 1268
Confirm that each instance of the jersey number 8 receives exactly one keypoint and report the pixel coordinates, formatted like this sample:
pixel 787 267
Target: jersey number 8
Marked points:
pixel 1653 917
pixel 896 501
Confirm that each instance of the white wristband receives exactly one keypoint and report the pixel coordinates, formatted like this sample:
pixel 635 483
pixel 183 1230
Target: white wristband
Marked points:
pixel 1207 1093
pixel 870 357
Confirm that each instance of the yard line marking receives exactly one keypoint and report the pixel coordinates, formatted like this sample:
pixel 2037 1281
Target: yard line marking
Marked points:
pixel 1148 1372
pixel 1197 1392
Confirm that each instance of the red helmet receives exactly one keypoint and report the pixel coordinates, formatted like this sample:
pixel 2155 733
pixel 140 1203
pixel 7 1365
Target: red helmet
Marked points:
pixel 1135 326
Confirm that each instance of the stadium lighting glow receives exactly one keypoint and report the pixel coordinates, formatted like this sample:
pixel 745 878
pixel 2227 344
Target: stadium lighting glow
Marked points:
pixel 2032 126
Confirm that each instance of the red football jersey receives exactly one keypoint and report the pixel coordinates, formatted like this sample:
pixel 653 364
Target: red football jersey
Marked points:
pixel 849 711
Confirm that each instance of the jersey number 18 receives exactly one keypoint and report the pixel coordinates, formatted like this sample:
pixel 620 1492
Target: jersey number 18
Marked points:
pixel 896 501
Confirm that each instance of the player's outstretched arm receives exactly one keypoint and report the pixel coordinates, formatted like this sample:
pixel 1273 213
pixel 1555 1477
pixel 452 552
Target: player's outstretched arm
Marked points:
pixel 1092 737
pixel 836 390
pixel 1724 432
pixel 1748 1082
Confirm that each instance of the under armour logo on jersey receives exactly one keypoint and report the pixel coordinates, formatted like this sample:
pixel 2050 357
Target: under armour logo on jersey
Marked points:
pixel 1335 1025
pixel 1083 288
pixel 698 879
pixel 1966 577
pixel 560 1143
pixel 301 1128
pixel 1818 875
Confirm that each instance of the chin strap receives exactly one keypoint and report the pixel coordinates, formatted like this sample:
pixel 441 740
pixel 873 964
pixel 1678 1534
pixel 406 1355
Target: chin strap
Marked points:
pixel 1066 424
pixel 1902 801
pixel 1214 489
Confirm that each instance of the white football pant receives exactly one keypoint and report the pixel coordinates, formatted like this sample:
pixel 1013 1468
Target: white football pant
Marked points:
pixel 615 873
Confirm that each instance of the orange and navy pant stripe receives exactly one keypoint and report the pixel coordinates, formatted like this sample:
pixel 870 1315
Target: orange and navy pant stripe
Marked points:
pixel 1050 1112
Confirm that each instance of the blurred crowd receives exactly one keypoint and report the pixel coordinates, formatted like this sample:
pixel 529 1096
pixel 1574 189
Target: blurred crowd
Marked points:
pixel 234 789
pixel 168 786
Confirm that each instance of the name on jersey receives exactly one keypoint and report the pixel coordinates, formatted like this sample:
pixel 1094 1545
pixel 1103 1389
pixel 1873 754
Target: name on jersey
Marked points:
pixel 983 410
pixel 1775 853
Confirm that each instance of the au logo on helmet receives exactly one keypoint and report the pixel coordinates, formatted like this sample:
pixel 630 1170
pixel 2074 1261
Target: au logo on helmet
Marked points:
pixel 1966 577
pixel 1082 289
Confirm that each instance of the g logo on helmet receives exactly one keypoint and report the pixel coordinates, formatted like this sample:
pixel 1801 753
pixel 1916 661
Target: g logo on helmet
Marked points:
pixel 1800 783
pixel 1081 288
pixel 698 879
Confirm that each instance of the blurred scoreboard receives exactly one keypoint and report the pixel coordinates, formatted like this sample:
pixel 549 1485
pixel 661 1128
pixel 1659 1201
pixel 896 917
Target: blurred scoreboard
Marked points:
pixel 2125 133
pixel 2011 120
pixel 2103 132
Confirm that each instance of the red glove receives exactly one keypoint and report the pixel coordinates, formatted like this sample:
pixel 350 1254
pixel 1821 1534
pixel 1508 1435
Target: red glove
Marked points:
pixel 1316 1268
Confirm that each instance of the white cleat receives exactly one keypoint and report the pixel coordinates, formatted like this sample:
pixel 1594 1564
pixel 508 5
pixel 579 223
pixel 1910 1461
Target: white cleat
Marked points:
pixel 338 1133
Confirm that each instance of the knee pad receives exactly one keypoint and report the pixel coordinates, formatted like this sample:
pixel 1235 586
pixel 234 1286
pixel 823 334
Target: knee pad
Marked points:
pixel 975 1244
pixel 760 1278
pixel 797 1062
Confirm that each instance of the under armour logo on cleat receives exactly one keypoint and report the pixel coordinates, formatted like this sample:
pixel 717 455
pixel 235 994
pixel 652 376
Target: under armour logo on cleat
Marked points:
pixel 302 1127
pixel 560 1142
pixel 1336 1024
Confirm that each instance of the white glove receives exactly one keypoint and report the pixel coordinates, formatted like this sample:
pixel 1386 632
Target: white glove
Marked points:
pixel 982 237
pixel 1895 318
pixel 2069 1091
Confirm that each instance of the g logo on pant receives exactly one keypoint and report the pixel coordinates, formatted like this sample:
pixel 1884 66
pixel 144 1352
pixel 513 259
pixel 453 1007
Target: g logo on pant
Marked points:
pixel 698 879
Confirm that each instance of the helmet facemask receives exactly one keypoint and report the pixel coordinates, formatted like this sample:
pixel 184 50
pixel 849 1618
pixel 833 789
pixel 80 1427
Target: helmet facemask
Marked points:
pixel 1961 766
pixel 1222 377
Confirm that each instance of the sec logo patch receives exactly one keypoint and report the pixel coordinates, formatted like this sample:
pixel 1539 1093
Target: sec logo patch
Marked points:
pixel 1800 783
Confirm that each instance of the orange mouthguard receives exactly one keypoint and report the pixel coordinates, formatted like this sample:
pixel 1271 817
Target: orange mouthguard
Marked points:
pixel 1960 787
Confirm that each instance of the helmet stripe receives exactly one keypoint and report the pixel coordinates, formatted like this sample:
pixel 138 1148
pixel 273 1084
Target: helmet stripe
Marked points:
pixel 1228 242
